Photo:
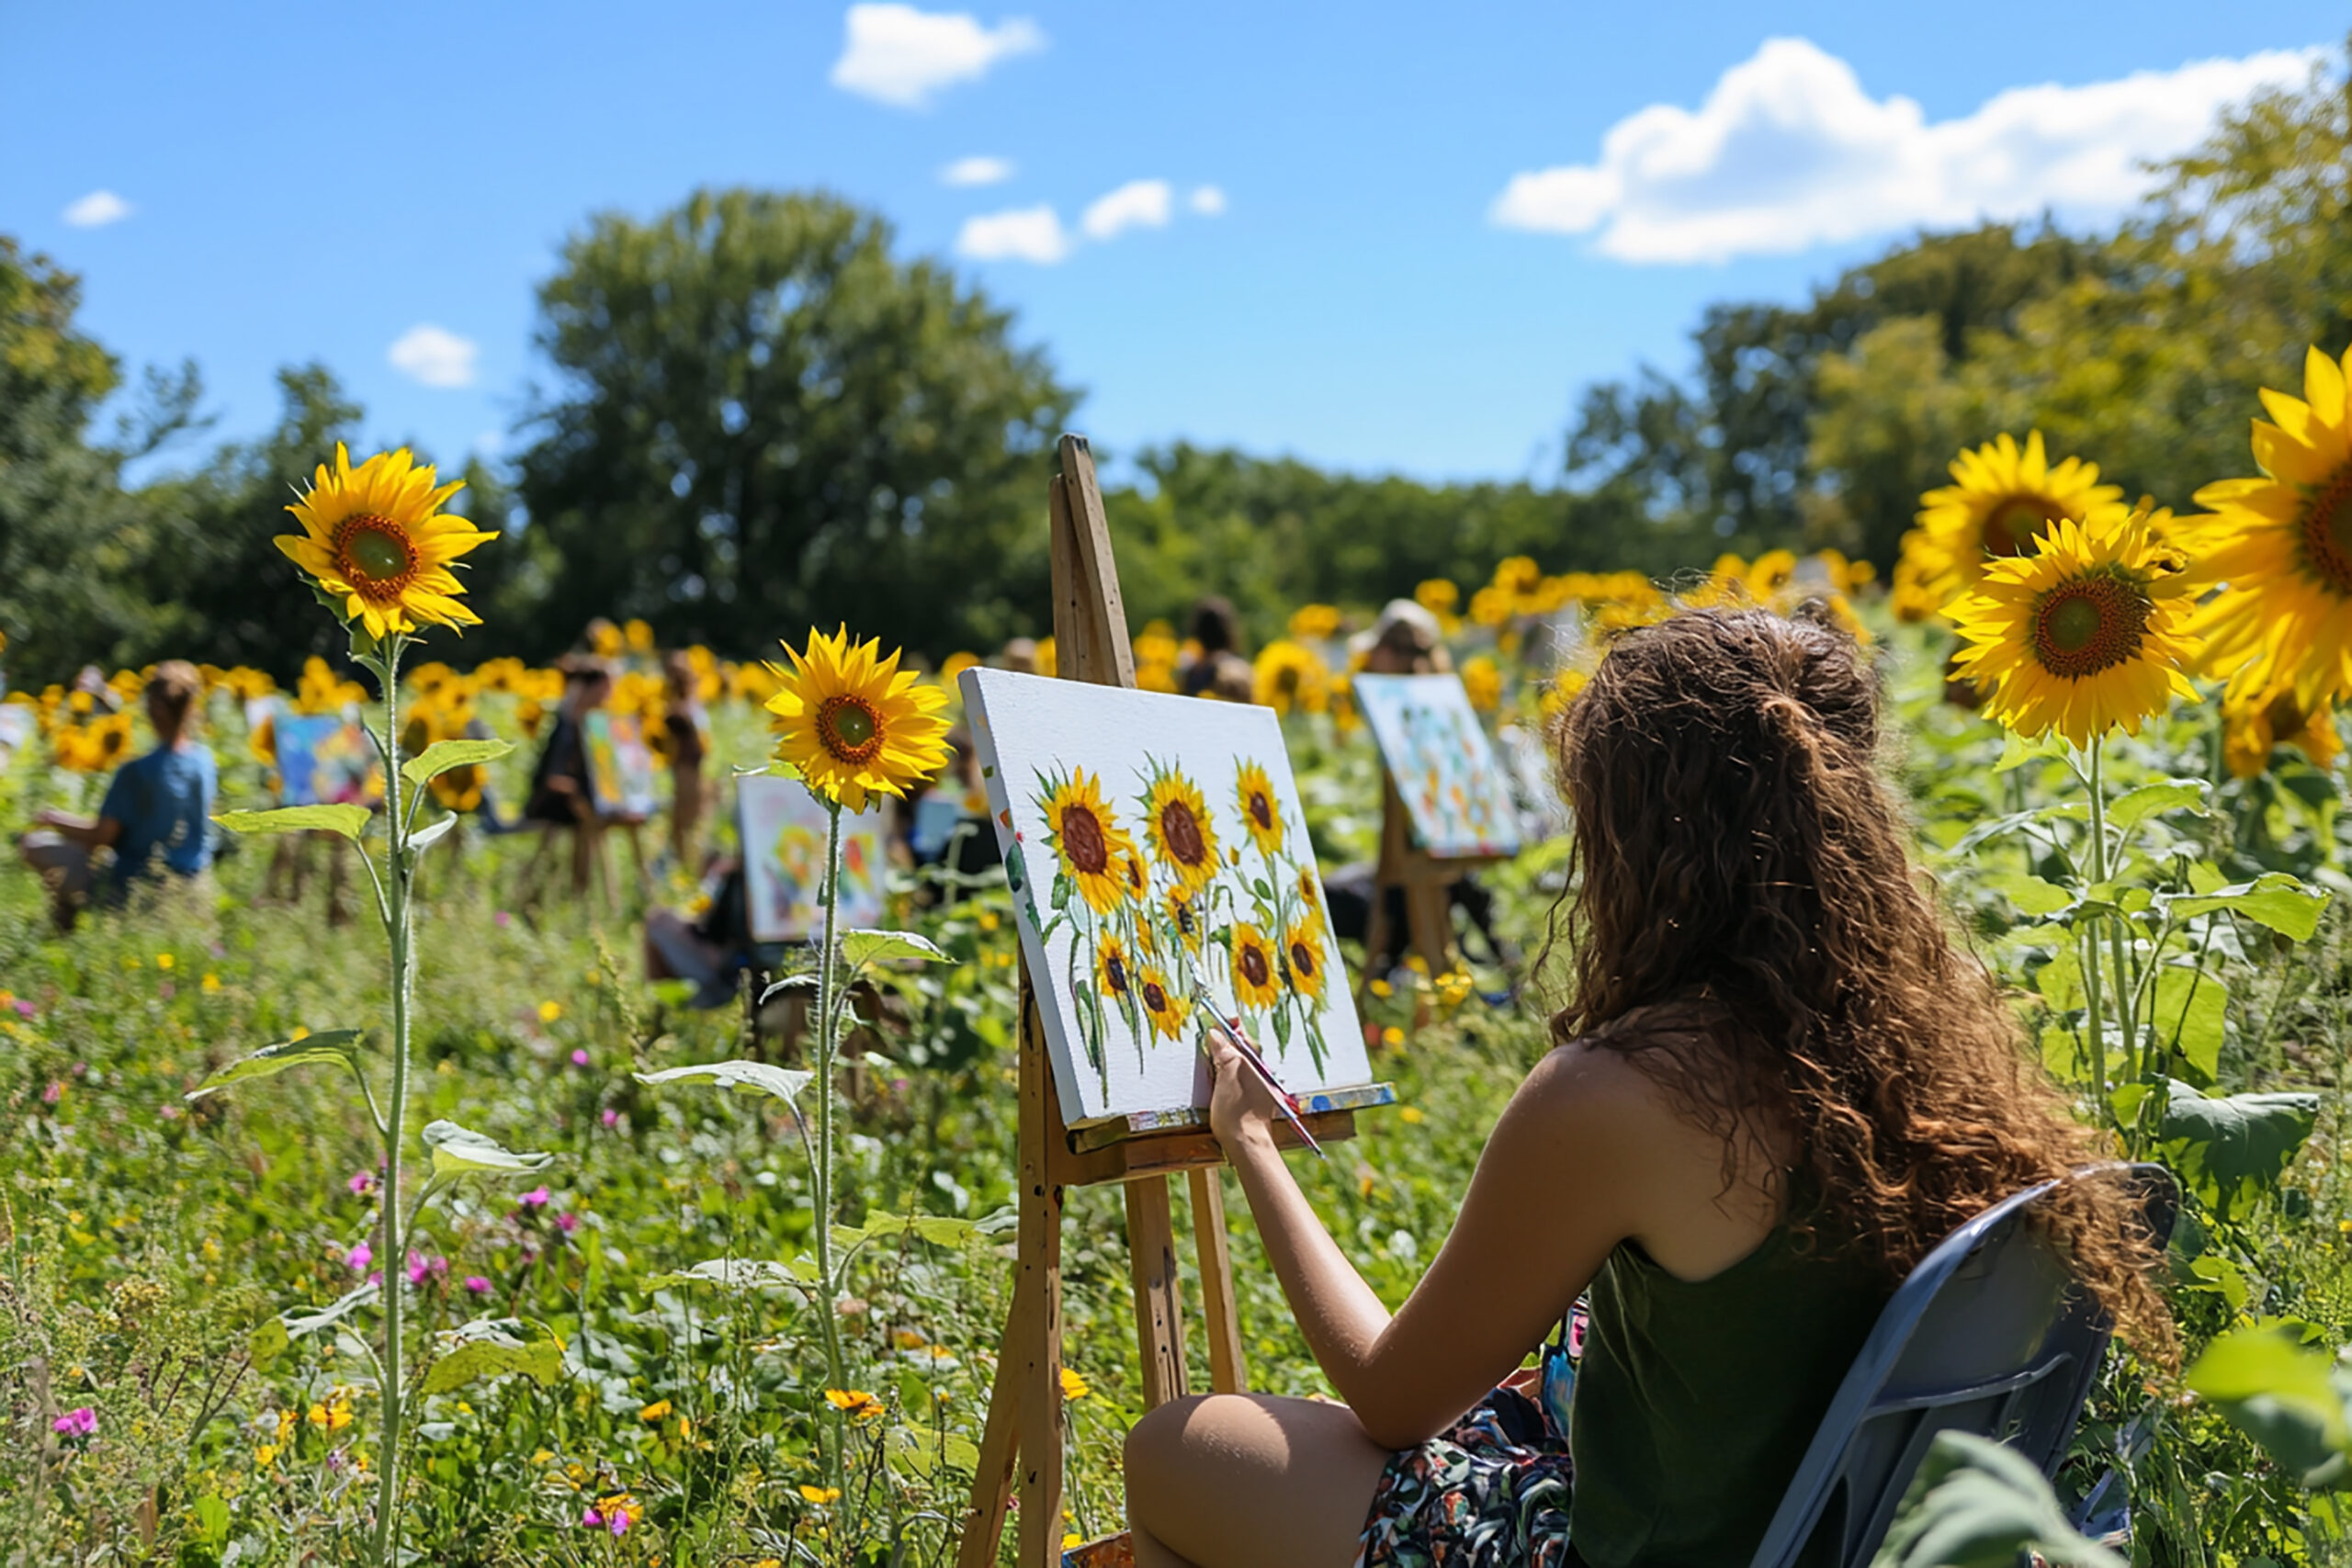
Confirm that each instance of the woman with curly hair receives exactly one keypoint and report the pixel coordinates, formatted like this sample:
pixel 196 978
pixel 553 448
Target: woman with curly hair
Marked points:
pixel 1777 1084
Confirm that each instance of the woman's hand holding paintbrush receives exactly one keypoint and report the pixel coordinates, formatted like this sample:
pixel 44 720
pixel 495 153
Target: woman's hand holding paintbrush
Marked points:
pixel 1246 1098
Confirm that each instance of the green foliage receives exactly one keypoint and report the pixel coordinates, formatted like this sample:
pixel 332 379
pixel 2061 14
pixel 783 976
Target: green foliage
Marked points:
pixel 339 1047
pixel 346 821
pixel 2232 1151
pixel 1974 1504
pixel 445 756
pixel 2286 1394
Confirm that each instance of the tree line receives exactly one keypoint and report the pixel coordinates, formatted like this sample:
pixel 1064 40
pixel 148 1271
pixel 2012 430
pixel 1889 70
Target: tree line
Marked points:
pixel 755 416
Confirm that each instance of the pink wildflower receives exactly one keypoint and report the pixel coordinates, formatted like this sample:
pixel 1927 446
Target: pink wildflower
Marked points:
pixel 54 1093
pixel 536 1198
pixel 580 1058
pixel 77 1423
pixel 567 1222
pixel 358 1257
pixel 420 1266
pixel 591 1520
pixel 362 1182
pixel 611 1118
pixel 476 1284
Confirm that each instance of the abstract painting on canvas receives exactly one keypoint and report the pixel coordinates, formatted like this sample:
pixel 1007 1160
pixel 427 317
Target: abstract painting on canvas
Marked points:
pixel 1456 792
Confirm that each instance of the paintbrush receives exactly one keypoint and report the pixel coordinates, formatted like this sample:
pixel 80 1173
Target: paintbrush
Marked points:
pixel 1249 1053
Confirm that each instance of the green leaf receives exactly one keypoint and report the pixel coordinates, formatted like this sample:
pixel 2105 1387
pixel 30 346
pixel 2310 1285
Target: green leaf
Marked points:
pixel 495 1347
pixel 2032 896
pixel 2065 811
pixel 2204 876
pixel 339 1047
pixel 444 755
pixel 1974 1504
pixel 2285 1395
pixel 743 1077
pixel 939 1230
pixel 2060 981
pixel 457 1151
pixel 2274 898
pixel 426 836
pixel 2189 1012
pixel 328 1317
pixel 918 1453
pixel 266 1343
pixel 2230 1152
pixel 2136 806
pixel 733 1274
pixel 862 947
pixel 348 820
pixel 2223 1278
pixel 2017 751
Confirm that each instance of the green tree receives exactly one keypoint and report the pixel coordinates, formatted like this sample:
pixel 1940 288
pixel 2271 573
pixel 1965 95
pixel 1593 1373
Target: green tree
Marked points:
pixel 761 420
pixel 71 541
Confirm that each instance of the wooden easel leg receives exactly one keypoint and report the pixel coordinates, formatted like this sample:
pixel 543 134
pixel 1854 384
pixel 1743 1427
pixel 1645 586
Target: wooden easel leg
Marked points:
pixel 1000 1443
pixel 1229 1373
pixel 1037 1366
pixel 1429 921
pixel 1160 1299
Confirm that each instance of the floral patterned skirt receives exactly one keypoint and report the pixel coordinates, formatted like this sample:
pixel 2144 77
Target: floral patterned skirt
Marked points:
pixel 1490 1492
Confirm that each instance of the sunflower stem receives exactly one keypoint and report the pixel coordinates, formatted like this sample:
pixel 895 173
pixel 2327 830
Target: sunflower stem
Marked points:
pixel 2114 923
pixel 391 1258
pixel 821 1171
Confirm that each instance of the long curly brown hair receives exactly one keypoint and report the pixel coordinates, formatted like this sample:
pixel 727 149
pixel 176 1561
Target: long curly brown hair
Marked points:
pixel 1737 852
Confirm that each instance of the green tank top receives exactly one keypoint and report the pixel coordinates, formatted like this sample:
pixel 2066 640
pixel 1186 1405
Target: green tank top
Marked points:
pixel 1694 1402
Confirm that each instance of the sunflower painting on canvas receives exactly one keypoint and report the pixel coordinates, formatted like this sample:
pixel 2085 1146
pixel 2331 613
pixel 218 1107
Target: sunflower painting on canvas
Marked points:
pixel 1155 846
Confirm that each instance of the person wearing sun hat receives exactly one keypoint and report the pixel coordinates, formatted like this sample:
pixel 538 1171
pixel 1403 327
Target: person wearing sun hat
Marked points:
pixel 1405 640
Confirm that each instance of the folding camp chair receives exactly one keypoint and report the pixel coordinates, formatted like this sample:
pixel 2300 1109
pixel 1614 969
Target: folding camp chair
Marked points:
pixel 1988 1335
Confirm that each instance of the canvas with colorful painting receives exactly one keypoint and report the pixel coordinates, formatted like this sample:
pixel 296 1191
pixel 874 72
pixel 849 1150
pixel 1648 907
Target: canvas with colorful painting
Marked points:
pixel 620 765
pixel 1153 843
pixel 324 758
pixel 783 829
pixel 1456 792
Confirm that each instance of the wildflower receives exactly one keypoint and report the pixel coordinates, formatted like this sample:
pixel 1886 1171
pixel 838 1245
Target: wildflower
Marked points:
pixel 209 985
pixel 362 1182
pixel 164 961
pixel 567 1222
pixel 536 1198
pixel 1411 1115
pixel 54 1093
pixel 358 1257
pixel 476 1284
pixel 854 724
pixel 1073 1386
pixel 376 538
pixel 580 1058
pixel 820 1495
pixel 855 1402
pixel 611 1117
pixel 420 1266
pixel 657 1410
pixel 550 1011
pixel 82 1422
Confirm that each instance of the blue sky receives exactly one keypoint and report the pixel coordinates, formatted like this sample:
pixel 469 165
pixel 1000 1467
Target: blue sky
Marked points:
pixel 1426 227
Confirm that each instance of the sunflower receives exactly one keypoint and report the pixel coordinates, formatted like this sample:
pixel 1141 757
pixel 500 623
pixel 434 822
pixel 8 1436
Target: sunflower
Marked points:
pixel 1177 825
pixel 1185 918
pixel 1303 946
pixel 1134 875
pixel 376 538
pixel 853 723
pixel 1292 675
pixel 1259 813
pixel 1310 889
pixel 1088 840
pixel 1256 978
pixel 2083 636
pixel 2282 544
pixel 1159 1004
pixel 2252 725
pixel 1115 972
pixel 1999 504
pixel 1482 681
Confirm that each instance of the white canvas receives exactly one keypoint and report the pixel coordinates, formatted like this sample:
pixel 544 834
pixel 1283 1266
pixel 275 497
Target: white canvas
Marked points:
pixel 1134 868
pixel 1433 746
pixel 784 830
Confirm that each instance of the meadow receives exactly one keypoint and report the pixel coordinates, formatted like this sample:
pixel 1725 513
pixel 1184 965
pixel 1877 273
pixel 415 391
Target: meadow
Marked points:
pixel 615 1355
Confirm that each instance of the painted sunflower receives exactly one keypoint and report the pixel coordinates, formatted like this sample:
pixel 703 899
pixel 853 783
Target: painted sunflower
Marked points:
pixel 1254 794
pixel 2254 725
pixel 2282 544
pixel 1186 918
pixel 1257 979
pixel 854 724
pixel 1134 875
pixel 1176 825
pixel 1303 946
pixel 2083 636
pixel 1159 1004
pixel 1999 504
pixel 1310 889
pixel 1088 840
pixel 376 538
pixel 1115 972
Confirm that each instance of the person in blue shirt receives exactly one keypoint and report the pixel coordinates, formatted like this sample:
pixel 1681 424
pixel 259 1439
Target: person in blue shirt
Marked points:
pixel 156 817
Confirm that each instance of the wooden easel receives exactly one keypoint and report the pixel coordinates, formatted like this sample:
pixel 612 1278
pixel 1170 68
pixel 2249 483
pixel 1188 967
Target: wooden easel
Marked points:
pixel 1427 882
pixel 1022 1446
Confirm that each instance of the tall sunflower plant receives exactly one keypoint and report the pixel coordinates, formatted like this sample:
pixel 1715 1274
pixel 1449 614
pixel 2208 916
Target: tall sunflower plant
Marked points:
pixel 853 727
pixel 2083 636
pixel 376 548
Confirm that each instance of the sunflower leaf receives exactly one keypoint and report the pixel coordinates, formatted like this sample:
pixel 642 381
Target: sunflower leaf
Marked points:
pixel 337 1045
pixel 328 1317
pixel 733 1274
pixel 444 755
pixel 2135 806
pixel 348 820
pixel 2276 898
pixel 459 1151
pixel 495 1347
pixel 864 947
pixel 2286 1395
pixel 431 834
pixel 743 1077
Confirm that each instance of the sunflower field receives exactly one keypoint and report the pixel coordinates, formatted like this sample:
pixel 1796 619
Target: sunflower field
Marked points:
pixel 361 1200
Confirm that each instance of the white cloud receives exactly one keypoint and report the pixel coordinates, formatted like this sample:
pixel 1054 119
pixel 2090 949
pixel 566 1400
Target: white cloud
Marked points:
pixel 898 55
pixel 97 209
pixel 1788 152
pixel 434 357
pixel 977 172
pixel 1023 234
pixel 1138 203
pixel 1207 200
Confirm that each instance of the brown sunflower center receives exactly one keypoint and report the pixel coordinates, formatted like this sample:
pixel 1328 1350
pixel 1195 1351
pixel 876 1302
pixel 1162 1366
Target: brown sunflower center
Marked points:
pixel 1183 917
pixel 1262 810
pixel 2010 527
pixel 1135 874
pixel 849 728
pixel 2089 624
pixel 1180 832
pixel 1254 966
pixel 375 555
pixel 2327 532
pixel 1154 997
pixel 1083 839
pixel 1114 969
pixel 1302 961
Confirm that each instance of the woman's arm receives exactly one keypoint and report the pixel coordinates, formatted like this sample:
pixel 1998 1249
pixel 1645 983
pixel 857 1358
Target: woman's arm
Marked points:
pixel 1556 1188
pixel 90 832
